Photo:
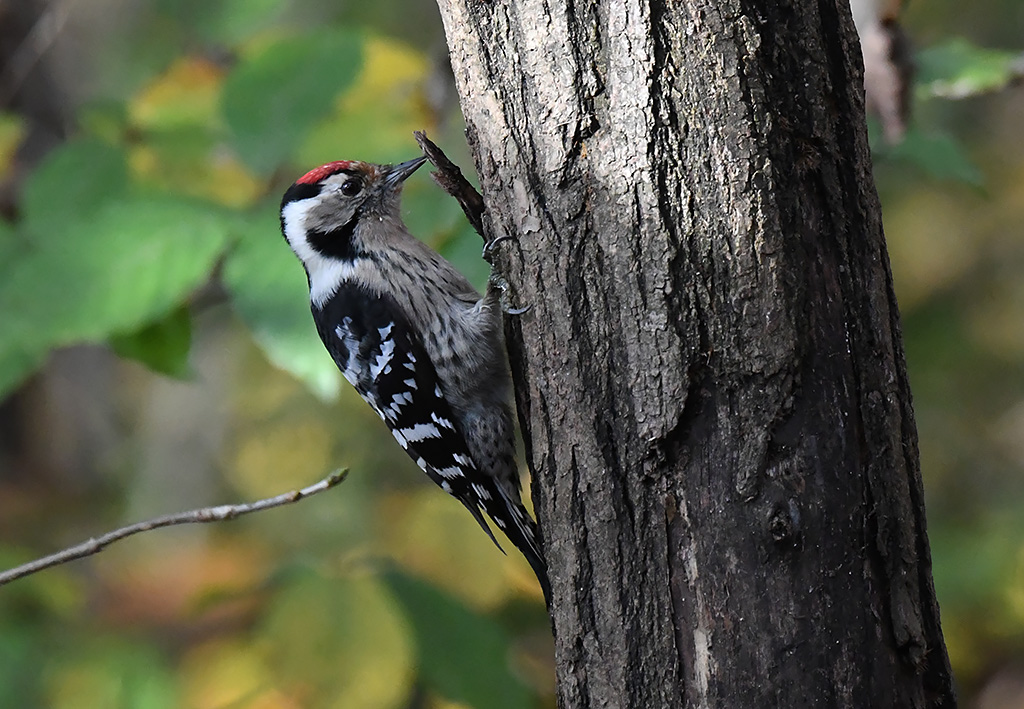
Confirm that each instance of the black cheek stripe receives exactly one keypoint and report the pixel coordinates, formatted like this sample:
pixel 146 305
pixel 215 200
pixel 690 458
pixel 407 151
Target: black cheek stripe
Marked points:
pixel 337 243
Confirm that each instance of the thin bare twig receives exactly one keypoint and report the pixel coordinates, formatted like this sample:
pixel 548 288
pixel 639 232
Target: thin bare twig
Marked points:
pixel 203 514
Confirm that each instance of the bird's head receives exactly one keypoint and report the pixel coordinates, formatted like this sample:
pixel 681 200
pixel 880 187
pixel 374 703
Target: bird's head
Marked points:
pixel 322 210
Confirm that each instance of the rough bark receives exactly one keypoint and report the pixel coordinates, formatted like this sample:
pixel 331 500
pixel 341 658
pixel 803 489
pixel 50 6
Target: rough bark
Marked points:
pixel 710 379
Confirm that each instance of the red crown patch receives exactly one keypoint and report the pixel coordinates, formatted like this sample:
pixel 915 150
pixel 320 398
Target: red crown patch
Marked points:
pixel 319 173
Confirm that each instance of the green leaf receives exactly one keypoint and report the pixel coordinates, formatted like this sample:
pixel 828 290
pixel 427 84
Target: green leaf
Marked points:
pixel 17 362
pixel 53 595
pixel 22 657
pixel 72 183
pixel 103 118
pixel 374 118
pixel 9 246
pixel 233 21
pixel 190 162
pixel 162 346
pixel 110 672
pixel 271 100
pixel 939 155
pixel 462 655
pixel 133 262
pixel 17 359
pixel 958 68
pixel 269 291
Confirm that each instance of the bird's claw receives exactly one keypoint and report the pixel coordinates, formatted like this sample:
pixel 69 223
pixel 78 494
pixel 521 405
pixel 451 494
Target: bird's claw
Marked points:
pixel 501 285
pixel 516 311
pixel 490 246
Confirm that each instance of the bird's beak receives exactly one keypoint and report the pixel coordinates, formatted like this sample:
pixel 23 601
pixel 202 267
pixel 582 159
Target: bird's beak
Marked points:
pixel 398 173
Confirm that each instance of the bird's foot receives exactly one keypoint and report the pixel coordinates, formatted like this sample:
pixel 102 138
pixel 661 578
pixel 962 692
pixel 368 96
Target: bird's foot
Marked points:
pixel 501 285
pixel 489 247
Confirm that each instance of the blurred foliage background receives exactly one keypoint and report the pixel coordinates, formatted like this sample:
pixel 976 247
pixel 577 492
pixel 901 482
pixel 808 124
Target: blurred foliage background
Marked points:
pixel 157 354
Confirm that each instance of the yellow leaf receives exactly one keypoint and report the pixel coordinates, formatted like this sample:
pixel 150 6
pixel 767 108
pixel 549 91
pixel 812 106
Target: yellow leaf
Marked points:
pixel 931 245
pixel 179 149
pixel 223 673
pixel 389 68
pixel 186 94
pixel 1015 592
pixel 12 130
pixel 227 182
pixel 339 642
pixel 375 118
pixel 79 687
pixel 192 164
pixel 441 703
pixel 269 460
pixel 434 536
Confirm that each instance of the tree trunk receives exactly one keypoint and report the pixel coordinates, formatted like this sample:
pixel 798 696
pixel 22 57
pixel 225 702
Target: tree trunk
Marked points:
pixel 710 379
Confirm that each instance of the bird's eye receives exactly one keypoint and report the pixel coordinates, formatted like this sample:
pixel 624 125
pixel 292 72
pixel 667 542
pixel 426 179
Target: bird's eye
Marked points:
pixel 352 187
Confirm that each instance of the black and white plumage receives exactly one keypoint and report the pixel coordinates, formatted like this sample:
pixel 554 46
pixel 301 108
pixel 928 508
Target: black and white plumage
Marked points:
pixel 413 337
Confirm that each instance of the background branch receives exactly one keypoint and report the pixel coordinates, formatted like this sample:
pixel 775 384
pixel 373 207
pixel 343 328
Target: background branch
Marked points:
pixel 203 514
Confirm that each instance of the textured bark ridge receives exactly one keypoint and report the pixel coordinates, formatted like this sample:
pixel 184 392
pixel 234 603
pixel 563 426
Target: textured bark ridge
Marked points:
pixel 710 378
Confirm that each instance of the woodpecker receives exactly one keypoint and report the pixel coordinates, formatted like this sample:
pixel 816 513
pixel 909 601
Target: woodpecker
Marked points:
pixel 420 345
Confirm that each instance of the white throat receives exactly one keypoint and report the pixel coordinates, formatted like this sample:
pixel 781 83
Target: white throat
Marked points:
pixel 325 274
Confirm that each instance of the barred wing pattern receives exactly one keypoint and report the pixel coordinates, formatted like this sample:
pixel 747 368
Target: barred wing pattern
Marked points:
pixel 380 355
